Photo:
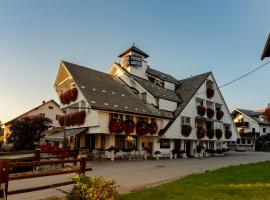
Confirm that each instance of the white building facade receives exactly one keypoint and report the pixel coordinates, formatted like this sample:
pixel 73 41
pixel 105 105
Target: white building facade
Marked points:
pixel 134 106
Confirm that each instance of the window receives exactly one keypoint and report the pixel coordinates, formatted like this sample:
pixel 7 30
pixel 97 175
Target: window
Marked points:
pixel 164 144
pixel 151 79
pixel 50 107
pixel 264 130
pixel 120 141
pixel 248 141
pixel 185 120
pixel 253 130
pixel 243 141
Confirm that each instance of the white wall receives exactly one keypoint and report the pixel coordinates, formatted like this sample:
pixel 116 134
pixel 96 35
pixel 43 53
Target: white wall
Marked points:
pixel 169 85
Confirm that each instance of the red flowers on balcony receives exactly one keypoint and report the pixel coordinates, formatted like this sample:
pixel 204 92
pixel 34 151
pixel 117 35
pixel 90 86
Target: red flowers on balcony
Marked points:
pixel 210 133
pixel 219 114
pixel 186 130
pixel 73 119
pixel 218 133
pixel 267 114
pixel 142 127
pixel 200 132
pixel 153 128
pixel 210 92
pixel 201 110
pixel 70 95
pixel 228 134
pixel 116 126
pixel 210 113
pixel 129 126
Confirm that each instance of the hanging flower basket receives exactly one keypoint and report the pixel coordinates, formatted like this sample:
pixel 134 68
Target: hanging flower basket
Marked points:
pixel 153 128
pixel 210 133
pixel 201 110
pixel 219 114
pixel 267 114
pixel 210 113
pixel 228 134
pixel 70 95
pixel 210 92
pixel 129 126
pixel 218 133
pixel 142 127
pixel 200 132
pixel 73 119
pixel 116 126
pixel 186 130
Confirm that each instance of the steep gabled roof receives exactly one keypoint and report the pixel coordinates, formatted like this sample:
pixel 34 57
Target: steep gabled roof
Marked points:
pixel 254 115
pixel 8 122
pixel 266 51
pixel 162 76
pixel 106 92
pixel 134 49
pixel 187 90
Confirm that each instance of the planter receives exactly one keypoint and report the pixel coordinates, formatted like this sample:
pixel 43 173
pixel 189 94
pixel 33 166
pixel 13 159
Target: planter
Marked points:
pixel 153 128
pixel 210 113
pixel 218 133
pixel 200 132
pixel 210 133
pixel 210 92
pixel 201 110
pixel 219 114
pixel 116 126
pixel 186 130
pixel 70 95
pixel 73 119
pixel 228 134
pixel 129 126
pixel 142 127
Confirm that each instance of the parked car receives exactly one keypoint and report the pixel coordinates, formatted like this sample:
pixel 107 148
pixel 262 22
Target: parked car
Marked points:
pixel 240 149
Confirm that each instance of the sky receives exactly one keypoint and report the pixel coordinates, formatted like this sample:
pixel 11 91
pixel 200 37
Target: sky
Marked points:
pixel 183 38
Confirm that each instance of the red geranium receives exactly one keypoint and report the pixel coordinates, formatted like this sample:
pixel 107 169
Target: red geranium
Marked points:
pixel 201 110
pixel 142 127
pixel 73 119
pixel 116 126
pixel 200 132
pixel 218 133
pixel 210 133
pixel 153 128
pixel 210 113
pixel 70 95
pixel 186 130
pixel 210 92
pixel 228 134
pixel 129 126
pixel 219 114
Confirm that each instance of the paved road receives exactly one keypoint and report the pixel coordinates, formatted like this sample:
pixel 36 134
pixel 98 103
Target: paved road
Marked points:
pixel 131 175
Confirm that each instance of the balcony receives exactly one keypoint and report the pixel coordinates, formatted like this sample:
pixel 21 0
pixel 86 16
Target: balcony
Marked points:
pixel 250 134
pixel 242 124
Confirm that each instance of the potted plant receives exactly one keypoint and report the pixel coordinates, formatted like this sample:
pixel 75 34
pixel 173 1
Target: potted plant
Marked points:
pixel 219 114
pixel 186 130
pixel 200 132
pixel 201 110
pixel 228 134
pixel 218 133
pixel 210 133
pixel 210 92
pixel 210 113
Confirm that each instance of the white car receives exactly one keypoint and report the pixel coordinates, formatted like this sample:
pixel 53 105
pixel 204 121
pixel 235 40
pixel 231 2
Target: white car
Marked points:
pixel 240 149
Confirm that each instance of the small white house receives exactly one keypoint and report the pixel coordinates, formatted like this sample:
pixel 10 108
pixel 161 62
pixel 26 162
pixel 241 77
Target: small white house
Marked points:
pixel 49 109
pixel 250 125
pixel 134 106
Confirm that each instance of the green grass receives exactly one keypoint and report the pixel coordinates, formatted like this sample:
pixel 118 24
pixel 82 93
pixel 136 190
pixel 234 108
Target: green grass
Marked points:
pixel 245 182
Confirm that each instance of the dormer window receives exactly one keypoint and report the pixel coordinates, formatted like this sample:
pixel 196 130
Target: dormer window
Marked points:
pixel 151 79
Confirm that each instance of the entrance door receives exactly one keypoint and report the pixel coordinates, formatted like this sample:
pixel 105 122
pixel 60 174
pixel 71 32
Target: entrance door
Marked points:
pixel 90 141
pixel 188 147
pixel 177 145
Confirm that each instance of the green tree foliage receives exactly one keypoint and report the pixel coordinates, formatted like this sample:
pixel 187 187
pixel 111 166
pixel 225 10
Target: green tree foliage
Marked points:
pixel 26 131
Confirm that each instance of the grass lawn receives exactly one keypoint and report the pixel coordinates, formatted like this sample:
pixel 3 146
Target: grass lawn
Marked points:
pixel 239 182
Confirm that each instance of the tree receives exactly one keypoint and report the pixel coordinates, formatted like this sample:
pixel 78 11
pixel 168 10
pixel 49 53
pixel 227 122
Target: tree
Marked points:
pixel 26 131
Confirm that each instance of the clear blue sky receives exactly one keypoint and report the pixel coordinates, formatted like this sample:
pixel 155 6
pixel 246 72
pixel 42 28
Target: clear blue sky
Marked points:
pixel 183 38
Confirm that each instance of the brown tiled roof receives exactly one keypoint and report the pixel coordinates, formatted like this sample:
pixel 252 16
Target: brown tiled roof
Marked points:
pixel 134 49
pixel 187 90
pixel 158 91
pixel 266 51
pixel 162 76
pixel 106 92
pixel 254 115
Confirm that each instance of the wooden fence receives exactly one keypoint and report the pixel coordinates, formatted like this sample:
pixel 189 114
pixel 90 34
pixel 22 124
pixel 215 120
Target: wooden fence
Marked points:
pixel 6 165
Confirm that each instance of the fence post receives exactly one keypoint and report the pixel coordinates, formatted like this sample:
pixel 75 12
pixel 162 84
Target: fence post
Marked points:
pixel 82 165
pixel 4 176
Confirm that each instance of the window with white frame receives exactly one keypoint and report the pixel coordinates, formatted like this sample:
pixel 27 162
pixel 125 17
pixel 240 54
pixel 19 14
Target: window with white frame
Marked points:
pixel 185 120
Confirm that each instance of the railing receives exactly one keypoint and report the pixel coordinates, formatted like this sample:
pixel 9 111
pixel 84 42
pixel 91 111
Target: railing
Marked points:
pixel 6 165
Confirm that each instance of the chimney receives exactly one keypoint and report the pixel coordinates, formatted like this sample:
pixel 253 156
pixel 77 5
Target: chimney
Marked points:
pixel 43 102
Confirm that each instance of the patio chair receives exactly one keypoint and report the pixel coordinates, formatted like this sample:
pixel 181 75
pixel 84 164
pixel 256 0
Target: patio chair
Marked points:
pixel 132 155
pixel 142 154
pixel 137 155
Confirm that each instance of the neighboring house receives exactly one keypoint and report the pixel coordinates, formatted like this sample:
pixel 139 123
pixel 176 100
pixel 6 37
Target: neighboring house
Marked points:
pixel 266 51
pixel 49 109
pixel 160 112
pixel 251 125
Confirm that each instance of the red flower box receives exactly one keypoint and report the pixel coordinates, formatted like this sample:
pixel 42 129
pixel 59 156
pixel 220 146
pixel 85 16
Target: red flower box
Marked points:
pixel 186 130
pixel 228 134
pixel 116 126
pixel 73 119
pixel 200 132
pixel 142 127
pixel 218 133
pixel 210 113
pixel 153 128
pixel 219 114
pixel 201 110
pixel 70 95
pixel 210 92
pixel 129 126
pixel 210 133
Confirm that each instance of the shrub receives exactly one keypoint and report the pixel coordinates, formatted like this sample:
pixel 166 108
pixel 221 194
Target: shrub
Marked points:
pixel 92 188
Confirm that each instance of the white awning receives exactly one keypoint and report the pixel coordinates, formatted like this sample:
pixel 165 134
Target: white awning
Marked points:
pixel 60 135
